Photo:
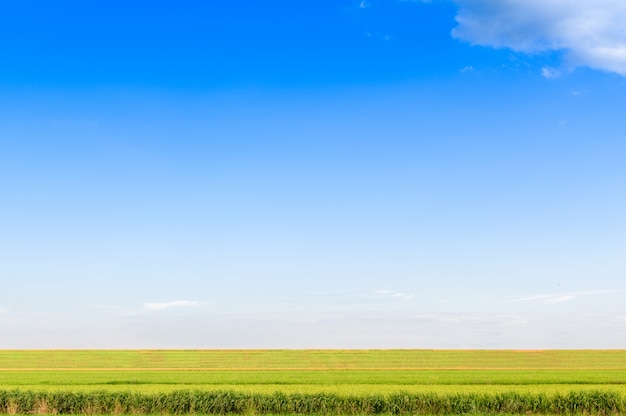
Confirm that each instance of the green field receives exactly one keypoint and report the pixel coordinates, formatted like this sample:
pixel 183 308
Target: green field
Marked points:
pixel 313 371
pixel 339 373
pixel 314 359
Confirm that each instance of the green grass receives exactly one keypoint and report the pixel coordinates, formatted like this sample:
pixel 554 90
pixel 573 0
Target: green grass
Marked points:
pixel 313 371
pixel 336 375
pixel 227 402
pixel 370 380
pixel 343 390
pixel 315 359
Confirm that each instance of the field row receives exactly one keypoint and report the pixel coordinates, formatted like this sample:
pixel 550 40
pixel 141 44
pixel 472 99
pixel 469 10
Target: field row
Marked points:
pixel 315 359
pixel 332 378
pixel 343 390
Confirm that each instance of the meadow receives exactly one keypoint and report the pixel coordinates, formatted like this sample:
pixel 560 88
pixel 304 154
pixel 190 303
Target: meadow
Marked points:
pixel 313 381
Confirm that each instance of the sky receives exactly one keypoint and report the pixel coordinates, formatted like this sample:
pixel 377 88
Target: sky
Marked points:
pixel 327 174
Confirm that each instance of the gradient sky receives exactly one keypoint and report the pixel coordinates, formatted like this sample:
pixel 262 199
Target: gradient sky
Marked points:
pixel 326 174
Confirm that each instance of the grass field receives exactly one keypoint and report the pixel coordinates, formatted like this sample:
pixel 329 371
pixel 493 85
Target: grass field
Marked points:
pixel 314 371
pixel 339 373
pixel 314 359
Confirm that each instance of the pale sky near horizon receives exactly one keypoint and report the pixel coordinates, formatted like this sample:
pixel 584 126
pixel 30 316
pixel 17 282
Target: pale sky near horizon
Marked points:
pixel 329 174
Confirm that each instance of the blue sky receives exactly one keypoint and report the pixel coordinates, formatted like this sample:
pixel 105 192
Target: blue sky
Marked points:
pixel 336 174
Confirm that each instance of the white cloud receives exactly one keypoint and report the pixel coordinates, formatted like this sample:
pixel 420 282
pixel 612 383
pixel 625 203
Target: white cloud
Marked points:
pixel 475 318
pixel 167 305
pixel 560 297
pixel 550 73
pixel 590 32
pixel 394 294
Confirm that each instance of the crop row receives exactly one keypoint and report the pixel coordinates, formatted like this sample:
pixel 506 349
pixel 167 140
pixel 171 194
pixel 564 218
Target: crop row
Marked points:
pixel 11 378
pixel 229 402
pixel 313 359
pixel 340 389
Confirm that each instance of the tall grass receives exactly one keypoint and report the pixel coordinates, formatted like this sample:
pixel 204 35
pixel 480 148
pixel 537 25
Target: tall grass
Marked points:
pixel 229 402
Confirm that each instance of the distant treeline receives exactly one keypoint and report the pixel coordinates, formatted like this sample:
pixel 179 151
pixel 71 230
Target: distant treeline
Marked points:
pixel 225 402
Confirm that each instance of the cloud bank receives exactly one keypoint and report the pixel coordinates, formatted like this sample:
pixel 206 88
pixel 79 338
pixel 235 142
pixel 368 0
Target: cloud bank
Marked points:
pixel 590 33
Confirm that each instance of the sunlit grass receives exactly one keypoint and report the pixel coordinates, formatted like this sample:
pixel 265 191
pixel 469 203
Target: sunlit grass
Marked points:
pixel 233 402
pixel 319 378
pixel 314 359
pixel 353 389
pixel 345 378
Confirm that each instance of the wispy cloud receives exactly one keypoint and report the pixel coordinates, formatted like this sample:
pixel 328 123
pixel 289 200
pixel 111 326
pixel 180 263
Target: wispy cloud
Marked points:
pixel 395 295
pixel 293 318
pixel 589 32
pixel 550 73
pixel 560 297
pixel 471 318
pixel 376 35
pixel 160 306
